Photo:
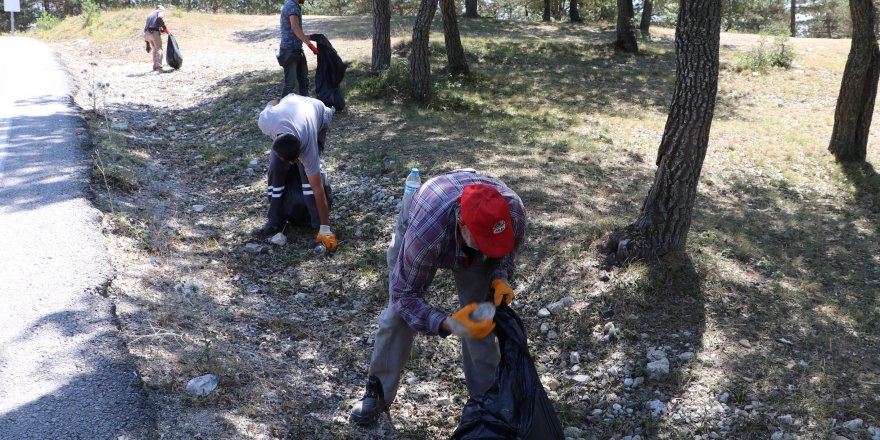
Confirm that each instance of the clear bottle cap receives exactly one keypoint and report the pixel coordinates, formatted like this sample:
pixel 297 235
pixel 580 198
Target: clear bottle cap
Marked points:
pixel 414 171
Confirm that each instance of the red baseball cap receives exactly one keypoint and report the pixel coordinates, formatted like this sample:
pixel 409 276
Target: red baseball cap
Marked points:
pixel 486 214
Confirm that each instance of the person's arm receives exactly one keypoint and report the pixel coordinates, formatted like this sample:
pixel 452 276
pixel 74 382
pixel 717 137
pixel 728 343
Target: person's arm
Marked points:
pixel 320 198
pixel 297 30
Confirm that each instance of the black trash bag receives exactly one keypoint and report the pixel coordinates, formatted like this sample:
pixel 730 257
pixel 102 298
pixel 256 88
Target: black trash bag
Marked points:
pixel 329 73
pixel 300 209
pixel 516 406
pixel 173 56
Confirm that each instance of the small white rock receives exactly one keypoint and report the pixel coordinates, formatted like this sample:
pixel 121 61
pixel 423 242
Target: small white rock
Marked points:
pixel 279 239
pixel 545 328
pixel 686 356
pixel 574 357
pixel 853 425
pixel 198 208
pixel 543 313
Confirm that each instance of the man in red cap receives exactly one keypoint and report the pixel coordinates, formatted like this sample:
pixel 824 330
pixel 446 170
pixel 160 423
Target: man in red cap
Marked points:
pixel 464 221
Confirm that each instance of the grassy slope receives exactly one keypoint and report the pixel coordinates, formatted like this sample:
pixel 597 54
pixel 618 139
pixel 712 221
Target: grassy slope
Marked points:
pixel 785 242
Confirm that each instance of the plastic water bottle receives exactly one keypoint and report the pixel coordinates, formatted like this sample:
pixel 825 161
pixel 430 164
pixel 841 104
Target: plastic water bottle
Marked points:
pixel 413 182
pixel 484 311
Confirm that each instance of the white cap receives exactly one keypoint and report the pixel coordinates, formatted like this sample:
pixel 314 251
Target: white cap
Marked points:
pixel 160 8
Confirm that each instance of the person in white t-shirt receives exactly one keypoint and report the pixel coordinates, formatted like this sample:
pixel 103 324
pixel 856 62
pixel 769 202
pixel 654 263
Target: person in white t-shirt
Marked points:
pixel 298 126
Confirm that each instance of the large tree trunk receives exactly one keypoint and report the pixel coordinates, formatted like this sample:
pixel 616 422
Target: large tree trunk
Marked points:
pixel 626 38
pixel 419 60
pixel 793 24
pixel 381 35
pixel 546 16
pixel 665 218
pixel 647 11
pixel 573 13
pixel 454 50
pixel 470 9
pixel 858 89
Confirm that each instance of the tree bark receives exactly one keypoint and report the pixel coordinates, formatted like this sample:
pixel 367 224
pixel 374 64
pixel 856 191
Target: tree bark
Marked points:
pixel 420 63
pixel 573 14
pixel 665 217
pixel 858 89
pixel 470 9
pixel 647 11
pixel 381 35
pixel 793 24
pixel 454 51
pixel 546 16
pixel 626 38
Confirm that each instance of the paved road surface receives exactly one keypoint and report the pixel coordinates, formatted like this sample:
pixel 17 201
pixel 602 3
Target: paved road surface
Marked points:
pixel 64 372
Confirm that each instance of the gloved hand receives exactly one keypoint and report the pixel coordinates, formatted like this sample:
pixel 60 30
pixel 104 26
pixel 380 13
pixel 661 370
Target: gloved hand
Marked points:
pixel 313 48
pixel 166 31
pixel 462 326
pixel 326 238
pixel 503 292
pixel 148 46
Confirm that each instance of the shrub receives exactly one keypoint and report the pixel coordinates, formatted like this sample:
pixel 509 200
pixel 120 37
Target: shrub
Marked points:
pixel 90 11
pixel 46 21
pixel 763 56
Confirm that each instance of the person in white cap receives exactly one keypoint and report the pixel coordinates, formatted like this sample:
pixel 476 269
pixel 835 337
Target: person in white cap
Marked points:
pixel 153 35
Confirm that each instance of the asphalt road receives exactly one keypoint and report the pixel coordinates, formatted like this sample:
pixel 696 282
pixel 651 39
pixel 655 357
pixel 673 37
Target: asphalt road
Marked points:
pixel 64 371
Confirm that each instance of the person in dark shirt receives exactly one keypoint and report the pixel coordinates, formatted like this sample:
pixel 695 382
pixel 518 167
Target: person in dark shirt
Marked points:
pixel 290 55
pixel 153 35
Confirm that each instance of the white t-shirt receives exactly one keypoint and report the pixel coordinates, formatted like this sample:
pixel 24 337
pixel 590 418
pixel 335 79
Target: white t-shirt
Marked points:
pixel 302 117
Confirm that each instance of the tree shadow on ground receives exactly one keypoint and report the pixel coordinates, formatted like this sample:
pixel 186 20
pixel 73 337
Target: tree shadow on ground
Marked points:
pixel 866 182
pixel 30 182
pixel 771 253
pixel 107 380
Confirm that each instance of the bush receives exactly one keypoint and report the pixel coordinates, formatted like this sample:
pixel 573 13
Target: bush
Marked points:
pixel 90 11
pixel 763 56
pixel 46 21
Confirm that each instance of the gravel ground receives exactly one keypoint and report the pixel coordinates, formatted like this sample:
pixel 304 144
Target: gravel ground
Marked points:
pixel 290 334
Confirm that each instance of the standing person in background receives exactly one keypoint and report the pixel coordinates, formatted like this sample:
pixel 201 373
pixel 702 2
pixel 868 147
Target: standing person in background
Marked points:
pixel 153 35
pixel 291 56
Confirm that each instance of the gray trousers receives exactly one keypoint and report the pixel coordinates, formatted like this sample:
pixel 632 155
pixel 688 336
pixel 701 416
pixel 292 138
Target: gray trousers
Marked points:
pixel 394 339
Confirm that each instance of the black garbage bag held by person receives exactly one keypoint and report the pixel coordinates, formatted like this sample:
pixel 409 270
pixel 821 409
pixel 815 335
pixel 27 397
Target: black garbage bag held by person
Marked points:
pixel 173 56
pixel 516 406
pixel 329 73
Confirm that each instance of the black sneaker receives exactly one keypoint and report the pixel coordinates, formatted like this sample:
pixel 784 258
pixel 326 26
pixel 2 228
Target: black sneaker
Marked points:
pixel 366 411
pixel 267 230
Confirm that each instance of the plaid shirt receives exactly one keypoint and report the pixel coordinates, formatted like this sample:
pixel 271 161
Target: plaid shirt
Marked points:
pixel 430 242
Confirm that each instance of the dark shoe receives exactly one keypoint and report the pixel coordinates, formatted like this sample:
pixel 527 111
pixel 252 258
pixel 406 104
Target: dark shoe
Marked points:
pixel 267 230
pixel 366 411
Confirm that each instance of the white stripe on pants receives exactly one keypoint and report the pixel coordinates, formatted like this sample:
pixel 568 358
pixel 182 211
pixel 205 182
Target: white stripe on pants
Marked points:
pixel 394 339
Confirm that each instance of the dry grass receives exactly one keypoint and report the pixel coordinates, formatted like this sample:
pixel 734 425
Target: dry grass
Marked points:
pixel 784 242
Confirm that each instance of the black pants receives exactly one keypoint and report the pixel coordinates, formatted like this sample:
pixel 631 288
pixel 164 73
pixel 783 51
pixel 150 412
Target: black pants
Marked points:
pixel 296 71
pixel 280 175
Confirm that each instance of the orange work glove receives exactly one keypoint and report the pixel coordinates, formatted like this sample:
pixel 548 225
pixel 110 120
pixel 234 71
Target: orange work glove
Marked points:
pixel 313 48
pixel 326 238
pixel 463 326
pixel 503 292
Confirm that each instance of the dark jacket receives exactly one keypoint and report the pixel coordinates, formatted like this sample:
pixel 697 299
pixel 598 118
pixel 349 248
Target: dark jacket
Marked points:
pixel 329 73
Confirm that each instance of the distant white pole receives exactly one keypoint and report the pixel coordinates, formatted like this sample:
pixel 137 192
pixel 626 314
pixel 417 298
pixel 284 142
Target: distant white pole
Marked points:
pixel 12 6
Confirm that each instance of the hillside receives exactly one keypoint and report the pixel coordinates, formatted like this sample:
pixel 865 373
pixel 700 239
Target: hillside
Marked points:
pixel 771 325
